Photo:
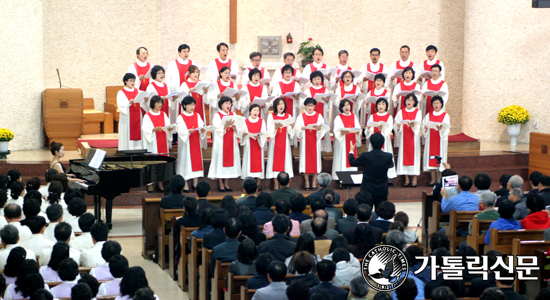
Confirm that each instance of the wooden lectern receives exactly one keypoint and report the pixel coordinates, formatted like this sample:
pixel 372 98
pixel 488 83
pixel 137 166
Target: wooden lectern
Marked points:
pixel 539 157
pixel 62 113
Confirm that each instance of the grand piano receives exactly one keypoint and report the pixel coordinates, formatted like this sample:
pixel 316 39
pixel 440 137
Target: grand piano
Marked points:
pixel 118 174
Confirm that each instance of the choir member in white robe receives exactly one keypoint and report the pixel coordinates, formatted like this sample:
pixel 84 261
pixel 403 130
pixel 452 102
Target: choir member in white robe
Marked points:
pixel 408 84
pixel 347 88
pixel 437 140
pixel 217 64
pixel 408 159
pixel 374 67
pixel 404 53
pixel 342 66
pixel 158 86
pixel 131 115
pixel 155 139
pixel 202 103
pixel 286 85
pixel 382 115
pixel 315 65
pixel 378 91
pixel 322 107
pixel 288 59
pixel 255 90
pixel 215 92
pixel 343 138
pixel 253 142
pixel 431 52
pixel 190 162
pixel 226 156
pixel 436 84
pixel 279 158
pixel 177 70
pixel 140 68
pixel 255 60
pixel 310 142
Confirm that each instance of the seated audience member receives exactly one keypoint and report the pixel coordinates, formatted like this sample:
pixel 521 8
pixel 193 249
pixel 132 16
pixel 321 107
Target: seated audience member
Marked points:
pixel 85 281
pixel 443 293
pixel 263 212
pixel 31 206
pixel 109 249
pixel 317 204
pixel 12 213
pixel 250 188
pixel 59 253
pixel 41 294
pixel 92 257
pixel 323 180
pixel 217 236
pixel 342 242
pixel 320 295
pixel 464 201
pixel 322 242
pixel 439 240
pixel 175 199
pixel 284 192
pixel 396 238
pixel 345 271
pixel 437 187
pixel 246 253
pixel 205 224
pixel 189 219
pixel 3 201
pixel 506 220
pixel 364 215
pixel 229 205
pixel 482 182
pixel 439 253
pixel 16 193
pixel 297 290
pixel 330 233
pixel 276 290
pixel 249 227
pixel 48 175
pixel 62 234
pixel 68 272
pixel 55 215
pixel 68 197
pixel 260 280
pixel 489 212
pixel 226 251
pixel 118 265
pixel 538 216
pixel 349 221
pixel 517 196
pixel 406 291
pixel 326 270
pixel 306 242
pixel 27 282
pixel 134 279
pixel 282 207
pixel 480 284
pixel 16 257
pixel 298 204
pixel 362 241
pixel 493 294
pixel 145 293
pixel 77 207
pixel 414 251
pixel 507 286
pixel 514 182
pixel 84 240
pixel 534 178
pixel 358 289
pixel 333 212
pixel 543 294
pixel 410 236
pixel 544 189
pixel 280 245
pixel 203 189
pixel 303 263
pixel 385 212
pixel 37 242
pixel 33 184
pixel 55 194
pixel 10 240
pixel 503 185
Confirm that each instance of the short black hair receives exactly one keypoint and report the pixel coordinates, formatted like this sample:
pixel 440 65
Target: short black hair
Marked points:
pixel 91 282
pixel 340 254
pixel 264 199
pixel 232 228
pixel 439 240
pixel 99 231
pixel 39 294
pixel 12 211
pixel 319 226
pixel 377 140
pixel 70 194
pixel 282 206
pixel 81 291
pixel 254 72
pixel 62 232
pixel 544 180
pixel 504 179
pixel 187 100
pixel 33 184
pixel 402 217
pixel 505 273
pixel 9 234
pixel 288 54
pixel 326 269
pixel 298 203
pixel 437 98
pixel 375 50
pixel 247 251
pixel 219 217
pixel 534 177
pixel 276 270
pixel 298 290
pixel 413 97
pixel 50 173
pixel 110 249
pixel 436 66
pixel 281 223
pixel 154 100
pixel 283 178
pixel 364 212
pixel 190 204
pixel 465 182
pixel 68 269
pixel 350 207
pixel 36 224
pixel 250 185
pixel 439 253
pixel 254 54
pixel 386 210
pixel 262 262
pixel 127 77
pixel 431 47
pixel 54 212
pixel 318 49
pixel 382 100
pixel 183 47
pixel 203 188
pixel 316 74
pixel 77 207
pixel 287 68
pixel 310 101
pixel 155 70
pixel 364 197
pixel 407 290
pixel 133 279
pixel 506 209
pixel 535 202
pixel 339 242
pixel 138 50
pixel 482 181
pixel 407 69
pixel 318 204
pixel 382 296
pixel 219 46
pixel 145 293
pixel 86 221
pixel 342 104
pixel 118 264
pixel 16 189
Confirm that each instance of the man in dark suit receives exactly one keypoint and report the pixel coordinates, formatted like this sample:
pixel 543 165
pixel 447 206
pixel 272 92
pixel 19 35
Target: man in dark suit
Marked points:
pixel 203 189
pixel 323 180
pixel 250 187
pixel 375 168
pixel 280 245
pixel 190 218
pixel 507 286
pixel 284 192
pixel 479 284
pixel 385 212
pixel 260 280
pixel 350 221
pixel 263 212
pixel 364 213
pixel 226 251
pixel 175 199
pixel 544 188
pixel 216 236
pixel 326 269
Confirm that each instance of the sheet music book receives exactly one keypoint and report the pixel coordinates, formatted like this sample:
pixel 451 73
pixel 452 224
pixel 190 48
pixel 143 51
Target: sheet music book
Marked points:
pixel 310 126
pixel 376 124
pixel 291 94
pixel 370 76
pixel 301 80
pixel 350 97
pixel 199 88
pixel 357 178
pixel 430 93
pixel 168 127
pixel 425 74
pixel 207 128
pixel 265 81
pixel 263 101
pixel 239 120
pixel 95 158
pixel 409 122
pixel 231 92
pixel 319 97
pixel 140 98
pixel 405 93
pixel 433 125
pixel 285 122
pixel 328 71
pixel 179 96
pixel 352 130
pixel 373 99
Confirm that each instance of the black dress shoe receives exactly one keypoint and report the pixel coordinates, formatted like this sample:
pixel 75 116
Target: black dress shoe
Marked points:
pixel 186 191
pixel 228 190
pixel 406 184
pixel 222 190
pixel 413 186
pixel 430 184
pixel 390 184
pixel 151 191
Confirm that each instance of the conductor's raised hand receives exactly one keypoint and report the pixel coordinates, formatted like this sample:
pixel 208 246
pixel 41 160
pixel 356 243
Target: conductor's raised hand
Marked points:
pixel 351 146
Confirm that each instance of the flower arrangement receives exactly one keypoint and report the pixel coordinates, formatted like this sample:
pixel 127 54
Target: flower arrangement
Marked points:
pixel 306 51
pixel 513 114
pixel 6 135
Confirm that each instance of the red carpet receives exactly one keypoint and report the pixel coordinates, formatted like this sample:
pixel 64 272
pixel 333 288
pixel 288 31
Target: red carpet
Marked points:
pixel 461 138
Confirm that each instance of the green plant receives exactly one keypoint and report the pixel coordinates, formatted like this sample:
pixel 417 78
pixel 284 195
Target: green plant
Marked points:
pixel 306 51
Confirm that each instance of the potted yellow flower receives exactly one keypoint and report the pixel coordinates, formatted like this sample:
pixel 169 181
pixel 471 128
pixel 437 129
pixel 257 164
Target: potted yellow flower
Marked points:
pixel 513 116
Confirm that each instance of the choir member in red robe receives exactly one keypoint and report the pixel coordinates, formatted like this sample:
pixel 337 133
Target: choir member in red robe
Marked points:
pixel 408 127
pixel 140 68
pixel 255 90
pixel 279 158
pixel 323 106
pixel 288 59
pixel 408 84
pixel 437 139
pixel 374 67
pixel 176 72
pixel 256 61
pixel 253 142
pixel 129 124
pixel 200 96
pixel 222 61
pixel 343 57
pixel 215 92
pixel 317 63
pixel 344 124
pixel 379 91
pixel 431 52
pixel 404 53
pixel 161 88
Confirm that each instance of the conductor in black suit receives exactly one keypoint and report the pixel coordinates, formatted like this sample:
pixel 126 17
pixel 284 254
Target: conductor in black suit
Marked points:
pixel 375 168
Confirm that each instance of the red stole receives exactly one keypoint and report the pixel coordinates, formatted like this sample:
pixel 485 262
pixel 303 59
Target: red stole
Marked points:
pixel 256 157
pixel 158 121
pixel 373 109
pixel 408 138
pixel 134 114
pixel 313 68
pixel 255 91
pixel 199 107
pixel 228 145
pixel 183 68
pixel 370 83
pixel 435 139
pixel 343 93
pixel 378 118
pixel 349 122
pixel 399 67
pixel 223 87
pixel 428 67
pixel 285 88
pixel 142 71
pixel 262 70
pixel 162 92
pixel 405 87
pixel 220 65
pixel 192 122
pixel 311 142
pixel 279 149
pixel 432 87
pixel 320 106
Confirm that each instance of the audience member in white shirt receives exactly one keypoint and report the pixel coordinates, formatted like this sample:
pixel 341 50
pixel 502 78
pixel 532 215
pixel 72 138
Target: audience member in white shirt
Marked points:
pixel 37 242
pixel 59 253
pixel 92 257
pixel 55 214
pixel 67 198
pixel 91 282
pixel 16 193
pixel 77 207
pixel 345 271
pixel 12 213
pixel 118 264
pixel 31 207
pixel 50 173
pixel 133 280
pixel 55 196
pixel 16 257
pixel 109 249
pixel 84 240
pixel 68 272
pixel 62 233
pixel 27 282
pixel 10 240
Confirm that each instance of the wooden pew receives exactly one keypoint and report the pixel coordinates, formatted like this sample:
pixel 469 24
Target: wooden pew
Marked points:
pixel 523 247
pixel 501 240
pixel 193 267
pixel 427 207
pixel 165 216
pixel 203 273
pixel 183 268
pixel 544 274
pixel 246 293
pixel 434 221
pixel 217 282
pixel 234 284
pixel 458 220
pixel 476 239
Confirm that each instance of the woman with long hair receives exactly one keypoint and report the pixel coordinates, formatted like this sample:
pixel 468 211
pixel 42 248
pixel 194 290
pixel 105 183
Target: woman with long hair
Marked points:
pixel 15 259
pixel 59 253
pixel 363 241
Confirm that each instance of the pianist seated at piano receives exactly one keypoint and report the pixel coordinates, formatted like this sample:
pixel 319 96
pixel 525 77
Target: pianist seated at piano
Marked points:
pixel 155 139
pixel 58 151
